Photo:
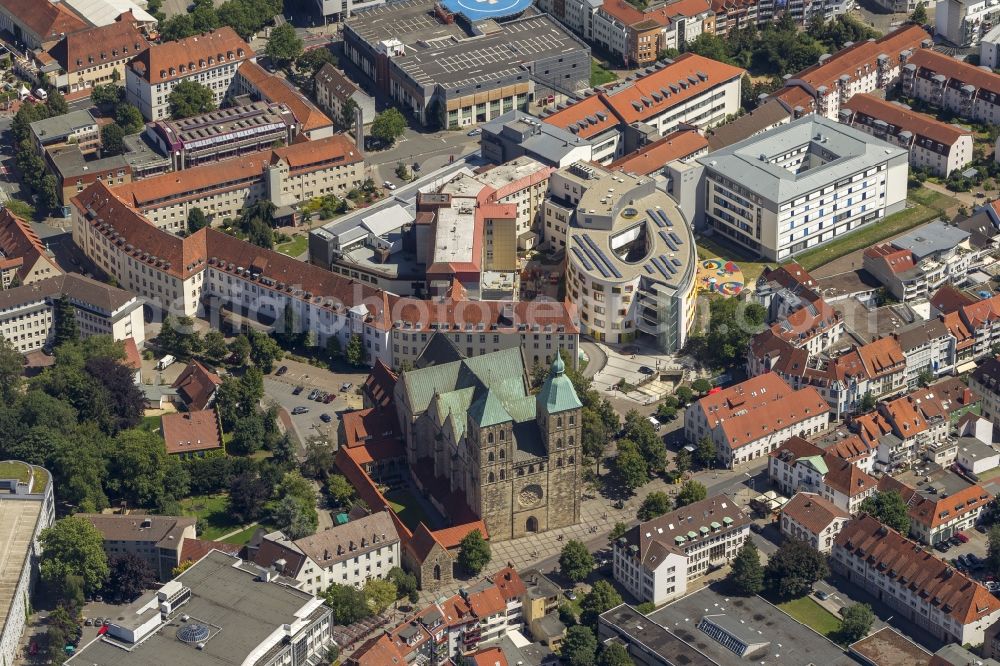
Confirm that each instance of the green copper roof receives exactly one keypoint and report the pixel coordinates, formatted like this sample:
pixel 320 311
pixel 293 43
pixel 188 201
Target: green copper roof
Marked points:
pixel 558 394
pixel 489 411
pixel 817 463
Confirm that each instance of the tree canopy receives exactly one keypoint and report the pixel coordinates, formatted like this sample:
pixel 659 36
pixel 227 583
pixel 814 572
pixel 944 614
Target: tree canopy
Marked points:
pixel 575 561
pixel 284 45
pixel 732 323
pixel 856 621
pixel 388 126
pixel 691 492
pixel 792 570
pixel 602 597
pixel 474 552
pixel 72 546
pixel 580 646
pixel 890 509
pixel 348 603
pixel 747 573
pixel 190 98
pixel 656 504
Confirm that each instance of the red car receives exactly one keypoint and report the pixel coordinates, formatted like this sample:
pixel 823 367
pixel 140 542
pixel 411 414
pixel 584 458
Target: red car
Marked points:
pixel 961 537
pixel 329 398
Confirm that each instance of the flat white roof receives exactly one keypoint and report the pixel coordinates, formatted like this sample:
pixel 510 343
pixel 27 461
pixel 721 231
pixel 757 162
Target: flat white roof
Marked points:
pixel 18 519
pixel 104 12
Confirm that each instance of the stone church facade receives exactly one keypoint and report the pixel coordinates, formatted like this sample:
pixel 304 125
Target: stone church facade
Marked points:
pixel 513 458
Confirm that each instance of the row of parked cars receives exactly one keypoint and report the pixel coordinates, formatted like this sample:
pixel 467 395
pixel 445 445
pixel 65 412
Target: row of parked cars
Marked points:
pixel 946 544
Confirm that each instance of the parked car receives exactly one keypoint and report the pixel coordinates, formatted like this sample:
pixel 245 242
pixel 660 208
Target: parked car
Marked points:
pixel 297 390
pixel 389 186
pixel 475 132
pixel 312 394
pixel 982 529
pixel 571 595
pixel 299 410
pixel 942 546
pixel 328 398
pixel 282 370
pixel 954 540
pixel 88 622
pixel 325 418
pixel 346 386
pixel 961 536
pixel 646 370
pixel 822 595
pixel 416 167
pixel 974 560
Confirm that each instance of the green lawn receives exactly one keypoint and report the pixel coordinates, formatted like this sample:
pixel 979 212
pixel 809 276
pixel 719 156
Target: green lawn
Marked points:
pixel 294 247
pixel 242 538
pixel 407 508
pixel 213 513
pixel 926 205
pixel 810 613
pixel 151 424
pixel 15 470
pixel 713 248
pixel 599 75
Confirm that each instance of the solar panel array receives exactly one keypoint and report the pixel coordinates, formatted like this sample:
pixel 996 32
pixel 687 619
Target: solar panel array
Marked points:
pixel 659 217
pixel 597 257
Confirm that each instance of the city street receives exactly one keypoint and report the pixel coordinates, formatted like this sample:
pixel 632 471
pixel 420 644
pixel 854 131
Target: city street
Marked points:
pixel 431 150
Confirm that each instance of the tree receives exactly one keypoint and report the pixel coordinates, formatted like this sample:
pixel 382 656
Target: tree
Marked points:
pixel 73 547
pixel 575 561
pixel 919 15
pixel 348 603
pixel 792 570
pixel 925 377
pixel 630 468
pixel 747 574
pixel 130 576
pixel 340 490
pixel 48 196
pixel 138 468
pixel 614 654
pixel 856 622
pixel 11 369
pixel 731 325
pixel 264 351
pixel 406 584
pixel 474 552
pixel 129 118
pixel 580 646
pixel 701 385
pixel 379 594
pixel 196 220
pixel 56 102
pixel 639 430
pixel 704 452
pixel 683 461
pixel 284 45
pixel 684 395
pixel 602 597
pixel 993 550
pixel 691 492
pixel 890 509
pixel 213 347
pixel 348 111
pixel 66 329
pixel 248 436
pixel 355 352
pixel 248 493
pixel 867 402
pixel 190 98
pixel 618 530
pixel 311 61
pixel 107 96
pixel 656 504
pixel 388 126
pixel 125 401
pixel 296 517
pixel 112 140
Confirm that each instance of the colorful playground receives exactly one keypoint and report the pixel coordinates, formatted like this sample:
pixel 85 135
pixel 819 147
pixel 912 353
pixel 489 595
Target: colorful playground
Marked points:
pixel 720 277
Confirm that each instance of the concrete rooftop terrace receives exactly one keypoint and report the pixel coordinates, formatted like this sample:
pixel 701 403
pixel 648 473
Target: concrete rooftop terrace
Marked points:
pixel 18 518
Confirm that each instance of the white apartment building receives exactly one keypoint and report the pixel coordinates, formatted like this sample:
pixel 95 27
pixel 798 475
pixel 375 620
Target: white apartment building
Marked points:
pixel 27 508
pixel 985 382
pixel 989 48
pixel 917 585
pixel 927 345
pixel 800 185
pixel 943 82
pixel 913 266
pixel 27 313
pixel 752 418
pixel 800 466
pixel 348 554
pixel 577 15
pixel 210 59
pixel 810 518
pixel 963 22
pixel 938 147
pixel 656 559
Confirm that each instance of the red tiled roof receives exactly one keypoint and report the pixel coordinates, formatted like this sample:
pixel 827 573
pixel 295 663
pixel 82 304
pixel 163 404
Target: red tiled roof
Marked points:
pixel 954 593
pixel 883 356
pixel 949 299
pixel 187 57
pixel 812 511
pixel 919 124
pixel 846 477
pixel 379 384
pixel 588 112
pixel 898 261
pixel 490 657
pixel 193 550
pixel 185 432
pixel 278 90
pixel 100 45
pixel 929 62
pixel 871 427
pixel 976 314
pixel 369 426
pixel 379 651
pixel 46 19
pixel 18 241
pixel 628 103
pixel 651 158
pixel 132 357
pixel 197 384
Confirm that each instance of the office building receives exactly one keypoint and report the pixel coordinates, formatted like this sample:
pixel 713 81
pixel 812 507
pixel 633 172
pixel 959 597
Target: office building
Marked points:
pixel 518 134
pixel 914 265
pixel 334 91
pixel 920 587
pixel 76 127
pixel 210 59
pixel 97 56
pixel 444 71
pixel 26 508
pixel 349 554
pixel 801 185
pixel 156 539
pixel 256 82
pixel 631 255
pixel 220 610
pixel 656 559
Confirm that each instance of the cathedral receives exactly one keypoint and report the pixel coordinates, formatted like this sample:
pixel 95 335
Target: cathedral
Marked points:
pixel 479 442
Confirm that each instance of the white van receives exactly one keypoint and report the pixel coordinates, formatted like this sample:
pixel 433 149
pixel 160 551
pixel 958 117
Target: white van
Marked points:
pixel 41 94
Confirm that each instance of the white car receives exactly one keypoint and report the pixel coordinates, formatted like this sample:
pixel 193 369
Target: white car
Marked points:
pixel 475 132
pixel 389 186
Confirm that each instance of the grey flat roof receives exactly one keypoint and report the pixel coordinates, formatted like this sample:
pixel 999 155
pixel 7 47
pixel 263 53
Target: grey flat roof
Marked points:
pixel 535 137
pixel 18 519
pixel 240 610
pixel 60 126
pixel 657 638
pixel 931 239
pixel 855 151
pixel 791 642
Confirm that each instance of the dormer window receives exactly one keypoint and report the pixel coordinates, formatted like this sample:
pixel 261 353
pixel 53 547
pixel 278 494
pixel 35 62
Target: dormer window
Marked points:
pixel 239 52
pixel 163 73
pixel 114 53
pixel 79 62
pixel 211 60
pixel 229 54
pixel 172 71
pixel 182 69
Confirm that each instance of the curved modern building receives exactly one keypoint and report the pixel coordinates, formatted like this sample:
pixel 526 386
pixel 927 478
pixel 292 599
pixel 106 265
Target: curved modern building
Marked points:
pixel 630 255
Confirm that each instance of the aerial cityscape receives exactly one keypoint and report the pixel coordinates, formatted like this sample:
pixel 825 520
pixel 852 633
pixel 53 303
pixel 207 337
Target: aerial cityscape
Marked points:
pixel 499 332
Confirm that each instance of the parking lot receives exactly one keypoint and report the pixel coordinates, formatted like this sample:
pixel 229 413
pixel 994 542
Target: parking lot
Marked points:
pixel 282 390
